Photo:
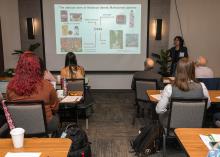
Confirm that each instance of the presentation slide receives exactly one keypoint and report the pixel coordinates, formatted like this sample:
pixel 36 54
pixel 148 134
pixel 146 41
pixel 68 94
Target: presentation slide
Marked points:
pixel 98 28
pixel 105 35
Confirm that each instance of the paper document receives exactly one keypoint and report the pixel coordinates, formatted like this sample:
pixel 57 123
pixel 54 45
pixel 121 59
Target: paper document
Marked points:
pixel 210 138
pixel 69 99
pixel 156 96
pixel 24 154
pixel 206 141
pixel 216 137
pixel 218 97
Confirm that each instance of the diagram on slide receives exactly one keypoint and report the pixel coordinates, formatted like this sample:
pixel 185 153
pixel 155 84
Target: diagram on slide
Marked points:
pixel 98 28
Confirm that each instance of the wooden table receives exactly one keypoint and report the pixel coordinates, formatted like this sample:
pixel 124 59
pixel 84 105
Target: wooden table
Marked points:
pixel 190 140
pixel 49 147
pixel 5 78
pixel 212 93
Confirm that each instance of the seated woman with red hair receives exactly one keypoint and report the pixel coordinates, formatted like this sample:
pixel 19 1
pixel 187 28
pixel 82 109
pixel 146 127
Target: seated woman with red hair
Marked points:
pixel 29 84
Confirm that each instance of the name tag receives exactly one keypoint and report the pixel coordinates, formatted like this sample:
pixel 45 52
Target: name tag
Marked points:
pixel 181 54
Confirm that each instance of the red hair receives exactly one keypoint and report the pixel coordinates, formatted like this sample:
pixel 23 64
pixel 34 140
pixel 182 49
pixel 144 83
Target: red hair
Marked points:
pixel 27 76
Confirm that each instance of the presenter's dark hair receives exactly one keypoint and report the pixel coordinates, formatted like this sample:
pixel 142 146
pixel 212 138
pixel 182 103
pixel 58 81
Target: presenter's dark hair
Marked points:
pixel 70 59
pixel 181 40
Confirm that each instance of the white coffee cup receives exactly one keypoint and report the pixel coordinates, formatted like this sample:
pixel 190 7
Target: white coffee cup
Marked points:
pixel 60 94
pixel 58 79
pixel 17 135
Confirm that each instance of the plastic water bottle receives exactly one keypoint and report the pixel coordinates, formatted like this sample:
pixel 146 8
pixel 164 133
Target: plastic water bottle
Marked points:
pixel 64 86
pixel 214 153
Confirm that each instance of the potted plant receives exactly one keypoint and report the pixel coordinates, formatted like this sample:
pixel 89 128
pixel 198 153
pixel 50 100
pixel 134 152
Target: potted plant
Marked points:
pixel 32 47
pixel 10 72
pixel 164 61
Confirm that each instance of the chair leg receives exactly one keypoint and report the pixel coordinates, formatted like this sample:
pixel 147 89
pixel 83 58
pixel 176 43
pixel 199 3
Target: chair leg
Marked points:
pixel 77 117
pixel 87 123
pixel 164 145
pixel 138 111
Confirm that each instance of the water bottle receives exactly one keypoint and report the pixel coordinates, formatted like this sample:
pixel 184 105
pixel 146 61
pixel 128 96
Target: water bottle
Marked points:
pixel 64 86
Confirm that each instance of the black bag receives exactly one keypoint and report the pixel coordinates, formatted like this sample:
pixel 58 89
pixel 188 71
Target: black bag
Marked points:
pixel 80 144
pixel 147 142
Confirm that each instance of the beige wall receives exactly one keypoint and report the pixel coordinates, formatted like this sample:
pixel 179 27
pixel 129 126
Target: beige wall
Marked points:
pixel 10 31
pixel 30 8
pixel 159 9
pixel 201 29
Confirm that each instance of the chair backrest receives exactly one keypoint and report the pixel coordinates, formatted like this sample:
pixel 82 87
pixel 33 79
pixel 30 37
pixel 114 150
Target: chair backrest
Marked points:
pixel 211 83
pixel 3 86
pixel 29 115
pixel 187 113
pixel 76 84
pixel 142 85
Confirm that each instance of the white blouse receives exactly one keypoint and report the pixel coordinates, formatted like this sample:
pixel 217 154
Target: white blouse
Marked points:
pixel 166 94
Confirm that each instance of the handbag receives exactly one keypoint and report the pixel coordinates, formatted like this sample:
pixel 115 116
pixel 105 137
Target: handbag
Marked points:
pixel 8 116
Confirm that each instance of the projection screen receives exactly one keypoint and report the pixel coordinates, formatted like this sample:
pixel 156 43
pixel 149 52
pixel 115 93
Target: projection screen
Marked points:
pixel 108 36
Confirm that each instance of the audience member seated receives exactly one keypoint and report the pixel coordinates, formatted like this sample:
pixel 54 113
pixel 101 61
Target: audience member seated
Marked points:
pixel 72 69
pixel 184 86
pixel 148 73
pixel 46 73
pixel 28 84
pixel 202 71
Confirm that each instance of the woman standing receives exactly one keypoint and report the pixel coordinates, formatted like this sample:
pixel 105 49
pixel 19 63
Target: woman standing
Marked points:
pixel 177 52
pixel 71 69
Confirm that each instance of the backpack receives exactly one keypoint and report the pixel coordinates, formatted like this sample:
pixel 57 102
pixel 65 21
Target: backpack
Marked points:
pixel 80 146
pixel 147 142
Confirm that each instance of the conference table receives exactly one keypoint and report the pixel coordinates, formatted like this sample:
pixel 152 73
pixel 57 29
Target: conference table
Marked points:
pixel 5 78
pixel 191 142
pixel 49 147
pixel 212 93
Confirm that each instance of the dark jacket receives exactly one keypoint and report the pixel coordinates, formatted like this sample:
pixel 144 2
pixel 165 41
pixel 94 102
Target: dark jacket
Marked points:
pixel 146 74
pixel 176 55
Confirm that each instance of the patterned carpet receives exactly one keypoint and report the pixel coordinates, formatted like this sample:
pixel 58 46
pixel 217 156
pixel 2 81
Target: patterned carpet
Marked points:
pixel 110 127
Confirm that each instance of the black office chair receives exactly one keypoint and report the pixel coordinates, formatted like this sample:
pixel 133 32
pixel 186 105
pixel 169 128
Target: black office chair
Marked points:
pixel 83 107
pixel 141 85
pixel 211 83
pixel 29 115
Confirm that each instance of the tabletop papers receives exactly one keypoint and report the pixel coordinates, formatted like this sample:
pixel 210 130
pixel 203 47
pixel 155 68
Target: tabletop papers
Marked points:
pixel 210 138
pixel 218 97
pixel 156 96
pixel 69 99
pixel 23 154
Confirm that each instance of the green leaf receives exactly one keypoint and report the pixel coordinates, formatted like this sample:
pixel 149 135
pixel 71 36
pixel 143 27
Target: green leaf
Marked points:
pixel 33 47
